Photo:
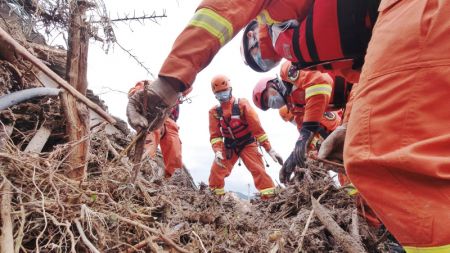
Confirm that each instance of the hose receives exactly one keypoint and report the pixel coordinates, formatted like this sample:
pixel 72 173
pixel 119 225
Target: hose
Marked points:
pixel 23 95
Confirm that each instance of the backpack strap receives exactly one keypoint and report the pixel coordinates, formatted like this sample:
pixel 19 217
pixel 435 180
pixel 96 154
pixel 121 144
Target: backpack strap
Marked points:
pixel 219 112
pixel 235 111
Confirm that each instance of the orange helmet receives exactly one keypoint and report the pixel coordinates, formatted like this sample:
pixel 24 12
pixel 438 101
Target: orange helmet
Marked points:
pixel 220 83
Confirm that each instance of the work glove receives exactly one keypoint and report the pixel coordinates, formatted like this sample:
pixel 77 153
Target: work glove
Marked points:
pixel 287 169
pixel 275 156
pixel 301 147
pixel 333 146
pixel 218 158
pixel 134 112
pixel 159 98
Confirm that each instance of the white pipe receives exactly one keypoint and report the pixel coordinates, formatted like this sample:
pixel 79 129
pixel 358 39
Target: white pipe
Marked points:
pixel 23 95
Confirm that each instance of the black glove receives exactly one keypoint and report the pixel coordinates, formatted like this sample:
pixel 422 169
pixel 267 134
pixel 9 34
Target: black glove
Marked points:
pixel 287 169
pixel 301 147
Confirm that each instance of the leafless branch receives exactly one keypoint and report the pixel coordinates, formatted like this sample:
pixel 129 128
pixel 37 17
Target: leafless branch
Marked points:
pixel 140 63
pixel 128 17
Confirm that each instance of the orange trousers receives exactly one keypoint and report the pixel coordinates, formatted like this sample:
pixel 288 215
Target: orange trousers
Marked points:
pixel 397 148
pixel 168 139
pixel 252 159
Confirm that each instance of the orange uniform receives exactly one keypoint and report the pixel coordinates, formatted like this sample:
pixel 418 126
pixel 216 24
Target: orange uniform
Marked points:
pixel 235 136
pixel 214 24
pixel 166 137
pixel 312 94
pixel 397 144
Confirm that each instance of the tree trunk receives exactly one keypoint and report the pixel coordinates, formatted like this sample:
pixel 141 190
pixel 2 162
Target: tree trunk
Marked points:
pixel 76 113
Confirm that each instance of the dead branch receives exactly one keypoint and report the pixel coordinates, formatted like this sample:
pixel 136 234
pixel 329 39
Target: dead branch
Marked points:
pixel 136 59
pixel 85 240
pixel 200 240
pixel 20 233
pixel 354 231
pixel 152 230
pixel 141 245
pixel 344 239
pixel 7 227
pixel 127 17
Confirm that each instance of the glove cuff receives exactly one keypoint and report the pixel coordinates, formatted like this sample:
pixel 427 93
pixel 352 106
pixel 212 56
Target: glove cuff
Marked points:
pixel 312 126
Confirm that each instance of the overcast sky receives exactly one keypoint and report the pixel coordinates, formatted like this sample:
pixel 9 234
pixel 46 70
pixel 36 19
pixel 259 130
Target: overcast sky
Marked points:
pixel 151 43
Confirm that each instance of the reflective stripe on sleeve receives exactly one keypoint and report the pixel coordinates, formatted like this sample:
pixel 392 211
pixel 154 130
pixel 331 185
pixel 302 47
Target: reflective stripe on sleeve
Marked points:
pixel 265 18
pixel 262 138
pixel 213 23
pixel 318 89
pixel 216 140
pixel 267 191
pixel 438 249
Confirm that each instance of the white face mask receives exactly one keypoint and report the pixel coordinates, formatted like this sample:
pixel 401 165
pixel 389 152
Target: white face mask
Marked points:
pixel 275 101
pixel 223 96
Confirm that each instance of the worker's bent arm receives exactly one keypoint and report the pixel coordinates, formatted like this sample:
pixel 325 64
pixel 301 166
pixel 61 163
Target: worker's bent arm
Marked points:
pixel 212 26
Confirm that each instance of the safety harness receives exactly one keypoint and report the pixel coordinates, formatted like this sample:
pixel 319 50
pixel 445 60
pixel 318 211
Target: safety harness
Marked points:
pixel 235 131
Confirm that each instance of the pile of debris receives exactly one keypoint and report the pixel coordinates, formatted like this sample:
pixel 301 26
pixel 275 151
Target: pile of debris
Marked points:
pixel 52 213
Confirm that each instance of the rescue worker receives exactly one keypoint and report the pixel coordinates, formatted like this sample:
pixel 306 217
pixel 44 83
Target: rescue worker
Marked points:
pixel 166 137
pixel 396 147
pixel 309 95
pixel 363 209
pixel 405 179
pixel 235 133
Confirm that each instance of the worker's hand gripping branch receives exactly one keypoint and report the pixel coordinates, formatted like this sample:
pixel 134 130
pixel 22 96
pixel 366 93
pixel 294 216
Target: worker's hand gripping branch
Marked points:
pixel 333 146
pixel 161 97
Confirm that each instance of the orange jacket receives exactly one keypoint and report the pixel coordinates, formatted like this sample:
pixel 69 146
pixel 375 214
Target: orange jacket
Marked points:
pixel 217 22
pixel 310 95
pixel 248 115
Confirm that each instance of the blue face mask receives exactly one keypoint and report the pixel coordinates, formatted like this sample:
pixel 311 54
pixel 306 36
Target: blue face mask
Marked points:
pixel 275 101
pixel 223 96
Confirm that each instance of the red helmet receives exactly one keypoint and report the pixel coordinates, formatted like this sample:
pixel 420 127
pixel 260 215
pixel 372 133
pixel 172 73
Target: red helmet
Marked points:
pixel 258 92
pixel 220 83
pixel 257 49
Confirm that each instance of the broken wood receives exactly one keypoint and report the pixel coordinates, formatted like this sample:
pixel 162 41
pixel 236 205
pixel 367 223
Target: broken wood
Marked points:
pixel 7 41
pixel 77 115
pixel 7 245
pixel 347 242
pixel 77 160
pixel 354 229
pixel 38 141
